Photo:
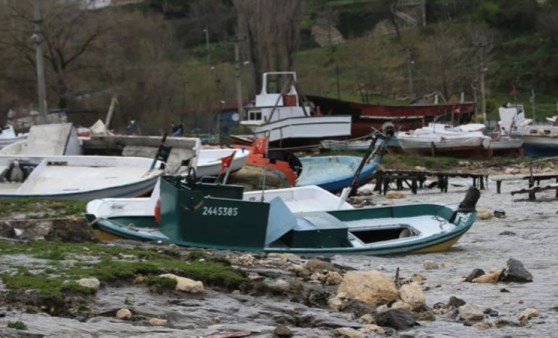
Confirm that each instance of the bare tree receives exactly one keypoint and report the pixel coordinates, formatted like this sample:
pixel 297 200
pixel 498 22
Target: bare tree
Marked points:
pixel 69 32
pixel 269 30
pixel 451 59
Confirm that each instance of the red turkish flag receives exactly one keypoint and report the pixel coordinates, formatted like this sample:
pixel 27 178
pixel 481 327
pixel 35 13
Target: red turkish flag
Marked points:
pixel 226 161
pixel 260 146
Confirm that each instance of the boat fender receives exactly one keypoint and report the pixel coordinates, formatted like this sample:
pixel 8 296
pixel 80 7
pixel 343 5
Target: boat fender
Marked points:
pixel 157 211
pixel 469 203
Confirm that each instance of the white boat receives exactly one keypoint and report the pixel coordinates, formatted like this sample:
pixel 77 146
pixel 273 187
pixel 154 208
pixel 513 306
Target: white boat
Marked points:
pixel 351 145
pixel 209 160
pixel 76 177
pixel 439 138
pixel 299 199
pixel 539 140
pixel 9 136
pixel 62 139
pixel 280 114
pixel 502 143
pixel 47 140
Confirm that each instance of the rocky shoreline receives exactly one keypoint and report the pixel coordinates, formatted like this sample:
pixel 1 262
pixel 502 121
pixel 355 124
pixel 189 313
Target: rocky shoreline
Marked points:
pixel 279 295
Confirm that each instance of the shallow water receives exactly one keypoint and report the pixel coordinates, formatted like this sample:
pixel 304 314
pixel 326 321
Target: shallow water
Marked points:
pixel 534 244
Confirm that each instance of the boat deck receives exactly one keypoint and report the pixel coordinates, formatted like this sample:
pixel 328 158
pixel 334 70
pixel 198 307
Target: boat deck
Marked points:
pixel 78 178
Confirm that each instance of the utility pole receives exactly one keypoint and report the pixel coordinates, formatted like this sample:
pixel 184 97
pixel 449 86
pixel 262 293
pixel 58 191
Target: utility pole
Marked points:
pixel 337 76
pixel 238 76
pixel 206 31
pixel 37 40
pixel 482 88
pixel 410 63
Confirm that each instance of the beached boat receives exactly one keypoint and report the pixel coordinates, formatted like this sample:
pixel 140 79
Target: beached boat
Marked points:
pixel 440 138
pixel 62 139
pixel 334 173
pixel 504 144
pixel 9 136
pixel 280 114
pixel 404 117
pixel 209 162
pixel 346 145
pixel 216 216
pixel 76 177
pixel 539 140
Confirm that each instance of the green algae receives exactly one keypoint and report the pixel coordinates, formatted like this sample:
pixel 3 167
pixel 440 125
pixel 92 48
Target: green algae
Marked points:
pixel 42 208
pixel 58 266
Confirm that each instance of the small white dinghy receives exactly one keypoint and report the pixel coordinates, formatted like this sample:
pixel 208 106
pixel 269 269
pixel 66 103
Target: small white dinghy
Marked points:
pixel 76 177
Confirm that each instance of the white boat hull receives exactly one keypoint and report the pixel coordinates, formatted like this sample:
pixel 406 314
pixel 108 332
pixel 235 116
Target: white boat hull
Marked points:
pixel 337 145
pixel 79 177
pixel 209 161
pixel 312 127
pixel 437 138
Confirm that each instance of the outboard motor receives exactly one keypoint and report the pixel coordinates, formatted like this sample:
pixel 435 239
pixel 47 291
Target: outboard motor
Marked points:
pixel 469 203
pixel 15 173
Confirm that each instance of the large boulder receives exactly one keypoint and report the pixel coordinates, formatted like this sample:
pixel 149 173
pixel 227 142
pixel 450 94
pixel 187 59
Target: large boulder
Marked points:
pixel 371 287
pixel 515 272
pixel 397 318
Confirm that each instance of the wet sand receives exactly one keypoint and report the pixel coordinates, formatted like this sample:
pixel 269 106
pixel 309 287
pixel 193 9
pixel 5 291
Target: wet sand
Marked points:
pixel 531 237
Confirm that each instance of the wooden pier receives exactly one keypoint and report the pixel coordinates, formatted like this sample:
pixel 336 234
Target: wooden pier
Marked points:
pixel 534 184
pixel 415 179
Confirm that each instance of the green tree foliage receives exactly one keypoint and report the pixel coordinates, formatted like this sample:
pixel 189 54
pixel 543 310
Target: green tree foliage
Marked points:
pixel 514 16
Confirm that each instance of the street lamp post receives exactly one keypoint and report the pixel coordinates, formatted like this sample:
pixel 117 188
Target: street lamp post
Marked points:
pixel 410 63
pixel 238 80
pixel 206 31
pixel 37 40
pixel 218 124
pixel 483 70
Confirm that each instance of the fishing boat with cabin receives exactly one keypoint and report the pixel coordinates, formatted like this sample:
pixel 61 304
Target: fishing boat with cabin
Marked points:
pixel 216 216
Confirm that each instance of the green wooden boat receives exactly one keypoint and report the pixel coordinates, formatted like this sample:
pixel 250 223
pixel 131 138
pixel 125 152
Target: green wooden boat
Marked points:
pixel 215 216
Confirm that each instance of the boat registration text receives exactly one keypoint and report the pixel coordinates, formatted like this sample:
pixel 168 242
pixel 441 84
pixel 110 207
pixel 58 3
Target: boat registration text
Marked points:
pixel 219 211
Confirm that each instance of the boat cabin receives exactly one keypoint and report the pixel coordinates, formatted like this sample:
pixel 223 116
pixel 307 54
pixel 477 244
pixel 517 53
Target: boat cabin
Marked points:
pixel 277 100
